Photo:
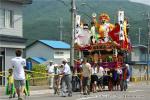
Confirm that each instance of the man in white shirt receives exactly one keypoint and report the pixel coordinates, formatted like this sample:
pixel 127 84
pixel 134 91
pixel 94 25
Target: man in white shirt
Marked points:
pixel 18 64
pixel 66 79
pixel 50 70
pixel 86 73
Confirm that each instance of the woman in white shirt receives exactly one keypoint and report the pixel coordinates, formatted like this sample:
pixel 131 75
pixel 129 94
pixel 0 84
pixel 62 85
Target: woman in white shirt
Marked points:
pixel 94 78
pixel 100 74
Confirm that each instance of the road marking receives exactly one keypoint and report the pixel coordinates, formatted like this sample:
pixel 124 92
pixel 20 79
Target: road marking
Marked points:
pixel 37 92
pixel 88 97
pixel 136 91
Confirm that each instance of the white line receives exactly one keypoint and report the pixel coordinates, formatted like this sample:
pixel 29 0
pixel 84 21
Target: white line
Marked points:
pixel 86 98
pixel 41 92
pixel 136 91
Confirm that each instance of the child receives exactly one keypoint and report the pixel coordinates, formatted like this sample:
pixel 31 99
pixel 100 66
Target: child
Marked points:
pixel 10 84
pixel 56 79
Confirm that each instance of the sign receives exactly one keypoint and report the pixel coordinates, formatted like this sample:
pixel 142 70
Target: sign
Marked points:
pixel 121 23
pixel 105 46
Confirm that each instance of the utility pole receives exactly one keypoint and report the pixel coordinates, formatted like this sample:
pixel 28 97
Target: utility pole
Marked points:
pixel 73 16
pixel 148 45
pixel 139 36
pixel 60 28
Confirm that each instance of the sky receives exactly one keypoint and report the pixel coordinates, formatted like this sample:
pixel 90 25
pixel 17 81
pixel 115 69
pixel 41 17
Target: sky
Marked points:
pixel 147 2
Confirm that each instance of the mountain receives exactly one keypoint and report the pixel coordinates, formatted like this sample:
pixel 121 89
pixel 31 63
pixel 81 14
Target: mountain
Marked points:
pixel 42 17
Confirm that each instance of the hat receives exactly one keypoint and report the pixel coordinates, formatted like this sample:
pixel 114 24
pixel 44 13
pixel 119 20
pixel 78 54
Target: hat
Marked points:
pixel 51 61
pixel 127 65
pixel 55 64
pixel 64 60
pixel 104 16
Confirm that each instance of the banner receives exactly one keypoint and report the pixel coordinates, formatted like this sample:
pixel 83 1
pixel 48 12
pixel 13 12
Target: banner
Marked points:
pixel 121 23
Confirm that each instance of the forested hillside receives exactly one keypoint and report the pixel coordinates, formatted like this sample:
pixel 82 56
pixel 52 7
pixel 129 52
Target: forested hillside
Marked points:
pixel 41 18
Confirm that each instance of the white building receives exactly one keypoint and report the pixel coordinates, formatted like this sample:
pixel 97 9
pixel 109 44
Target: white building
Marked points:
pixel 138 62
pixel 49 50
pixel 11 31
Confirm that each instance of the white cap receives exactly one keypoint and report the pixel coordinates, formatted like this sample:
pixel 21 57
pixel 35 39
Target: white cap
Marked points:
pixel 127 65
pixel 65 60
pixel 55 64
pixel 51 61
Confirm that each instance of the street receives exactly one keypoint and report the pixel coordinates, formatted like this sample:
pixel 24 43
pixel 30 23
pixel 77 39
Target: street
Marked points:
pixel 136 91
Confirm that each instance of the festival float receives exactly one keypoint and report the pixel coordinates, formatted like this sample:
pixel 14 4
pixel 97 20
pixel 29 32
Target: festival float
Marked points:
pixel 103 42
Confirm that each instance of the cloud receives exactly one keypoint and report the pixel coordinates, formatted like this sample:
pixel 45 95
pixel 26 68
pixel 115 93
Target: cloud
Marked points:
pixel 146 2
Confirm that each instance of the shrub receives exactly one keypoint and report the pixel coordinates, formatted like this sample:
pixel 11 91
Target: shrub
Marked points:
pixel 39 75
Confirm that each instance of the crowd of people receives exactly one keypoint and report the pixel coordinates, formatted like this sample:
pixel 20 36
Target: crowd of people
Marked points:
pixel 63 79
pixel 85 77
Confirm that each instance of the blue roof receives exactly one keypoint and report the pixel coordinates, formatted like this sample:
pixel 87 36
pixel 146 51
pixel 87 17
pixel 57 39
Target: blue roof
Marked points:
pixel 39 59
pixel 56 44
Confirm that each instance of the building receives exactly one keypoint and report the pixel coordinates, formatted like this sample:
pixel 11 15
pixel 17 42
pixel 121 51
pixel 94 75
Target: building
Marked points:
pixel 42 50
pixel 138 62
pixel 11 31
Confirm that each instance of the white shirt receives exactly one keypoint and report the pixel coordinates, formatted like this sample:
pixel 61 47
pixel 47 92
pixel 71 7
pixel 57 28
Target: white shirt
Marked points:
pixel 50 69
pixel 94 70
pixel 86 70
pixel 18 64
pixel 119 71
pixel 100 72
pixel 67 69
pixel 56 70
pixel 93 30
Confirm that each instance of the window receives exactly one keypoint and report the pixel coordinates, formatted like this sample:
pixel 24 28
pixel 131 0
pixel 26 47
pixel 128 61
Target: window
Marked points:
pixel 2 18
pixel 6 18
pixel 9 19
pixel 58 53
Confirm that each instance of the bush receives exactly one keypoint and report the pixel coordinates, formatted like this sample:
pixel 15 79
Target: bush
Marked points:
pixel 39 75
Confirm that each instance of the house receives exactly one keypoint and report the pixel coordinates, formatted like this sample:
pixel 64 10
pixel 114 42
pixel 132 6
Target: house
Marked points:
pixel 138 62
pixel 42 50
pixel 11 32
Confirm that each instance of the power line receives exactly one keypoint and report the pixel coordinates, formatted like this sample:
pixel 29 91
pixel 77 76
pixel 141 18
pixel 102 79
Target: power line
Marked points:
pixel 64 3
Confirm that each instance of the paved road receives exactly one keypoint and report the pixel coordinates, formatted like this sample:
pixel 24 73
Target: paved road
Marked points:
pixel 136 91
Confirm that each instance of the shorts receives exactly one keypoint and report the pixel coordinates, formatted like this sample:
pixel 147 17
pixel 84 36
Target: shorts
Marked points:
pixel 100 81
pixel 86 81
pixel 94 79
pixel 19 83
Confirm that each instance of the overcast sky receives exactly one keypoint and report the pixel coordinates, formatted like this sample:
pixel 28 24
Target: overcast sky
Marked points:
pixel 147 2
